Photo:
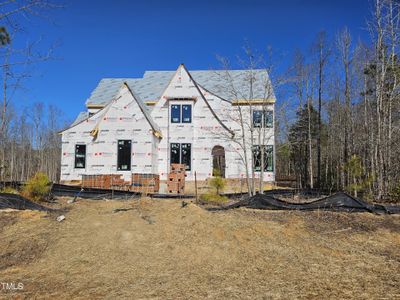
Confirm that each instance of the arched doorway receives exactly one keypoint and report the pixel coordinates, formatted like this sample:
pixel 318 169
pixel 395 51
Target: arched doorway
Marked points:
pixel 218 156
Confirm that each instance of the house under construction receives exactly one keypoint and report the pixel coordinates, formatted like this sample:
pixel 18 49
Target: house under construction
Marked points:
pixel 204 120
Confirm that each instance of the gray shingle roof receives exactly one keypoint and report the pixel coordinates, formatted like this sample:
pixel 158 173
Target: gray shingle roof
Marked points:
pixel 232 84
pixel 82 116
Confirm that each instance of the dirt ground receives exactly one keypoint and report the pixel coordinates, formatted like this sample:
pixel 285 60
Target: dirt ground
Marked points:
pixel 159 250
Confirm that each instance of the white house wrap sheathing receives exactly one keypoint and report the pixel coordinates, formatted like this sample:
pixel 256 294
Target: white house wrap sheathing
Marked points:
pixel 125 117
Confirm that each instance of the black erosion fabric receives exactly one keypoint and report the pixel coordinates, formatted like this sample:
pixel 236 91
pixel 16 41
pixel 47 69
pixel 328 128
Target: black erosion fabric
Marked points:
pixel 18 202
pixel 337 202
pixel 94 193
pixel 90 193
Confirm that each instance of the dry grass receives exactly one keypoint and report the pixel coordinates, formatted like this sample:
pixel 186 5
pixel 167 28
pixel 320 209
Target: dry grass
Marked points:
pixel 158 250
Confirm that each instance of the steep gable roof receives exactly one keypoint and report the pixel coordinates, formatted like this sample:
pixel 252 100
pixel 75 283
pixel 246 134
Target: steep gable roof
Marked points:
pixel 85 115
pixel 228 85
pixel 208 104
pixel 108 88
pixel 146 113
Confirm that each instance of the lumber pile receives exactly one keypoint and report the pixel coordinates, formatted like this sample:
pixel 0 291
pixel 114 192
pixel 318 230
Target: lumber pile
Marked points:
pixel 145 183
pixel 176 179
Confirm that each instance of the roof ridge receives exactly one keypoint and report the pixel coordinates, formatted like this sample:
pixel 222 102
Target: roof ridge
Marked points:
pixel 120 78
pixel 210 70
pixel 152 84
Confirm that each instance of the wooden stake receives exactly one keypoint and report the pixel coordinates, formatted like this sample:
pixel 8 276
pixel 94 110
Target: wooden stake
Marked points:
pixel 195 186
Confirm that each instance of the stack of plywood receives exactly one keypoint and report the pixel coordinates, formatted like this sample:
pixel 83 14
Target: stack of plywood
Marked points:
pixel 176 179
pixel 104 181
pixel 145 183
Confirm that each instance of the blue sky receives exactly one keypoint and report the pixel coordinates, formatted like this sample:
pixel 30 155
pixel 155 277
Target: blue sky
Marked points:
pixel 124 38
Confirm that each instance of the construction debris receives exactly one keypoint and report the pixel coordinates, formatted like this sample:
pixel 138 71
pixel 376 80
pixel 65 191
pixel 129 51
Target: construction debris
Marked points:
pixel 121 209
pixel 60 218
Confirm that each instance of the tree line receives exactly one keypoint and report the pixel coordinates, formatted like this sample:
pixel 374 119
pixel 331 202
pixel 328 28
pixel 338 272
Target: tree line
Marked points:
pixel 30 143
pixel 28 136
pixel 346 129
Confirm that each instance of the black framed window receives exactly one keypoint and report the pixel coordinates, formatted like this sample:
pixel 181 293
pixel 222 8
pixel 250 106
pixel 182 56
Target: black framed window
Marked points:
pixel 175 113
pixel 124 155
pixel 186 156
pixel 175 153
pixel 268 158
pixel 80 156
pixel 257 118
pixel 269 154
pixel 186 113
pixel 181 113
pixel 257 158
pixel 181 154
pixel 263 118
pixel 268 119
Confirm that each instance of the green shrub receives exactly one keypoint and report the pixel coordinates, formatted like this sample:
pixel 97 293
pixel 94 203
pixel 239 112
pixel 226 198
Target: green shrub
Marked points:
pixel 212 198
pixel 37 187
pixel 217 182
pixel 359 180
